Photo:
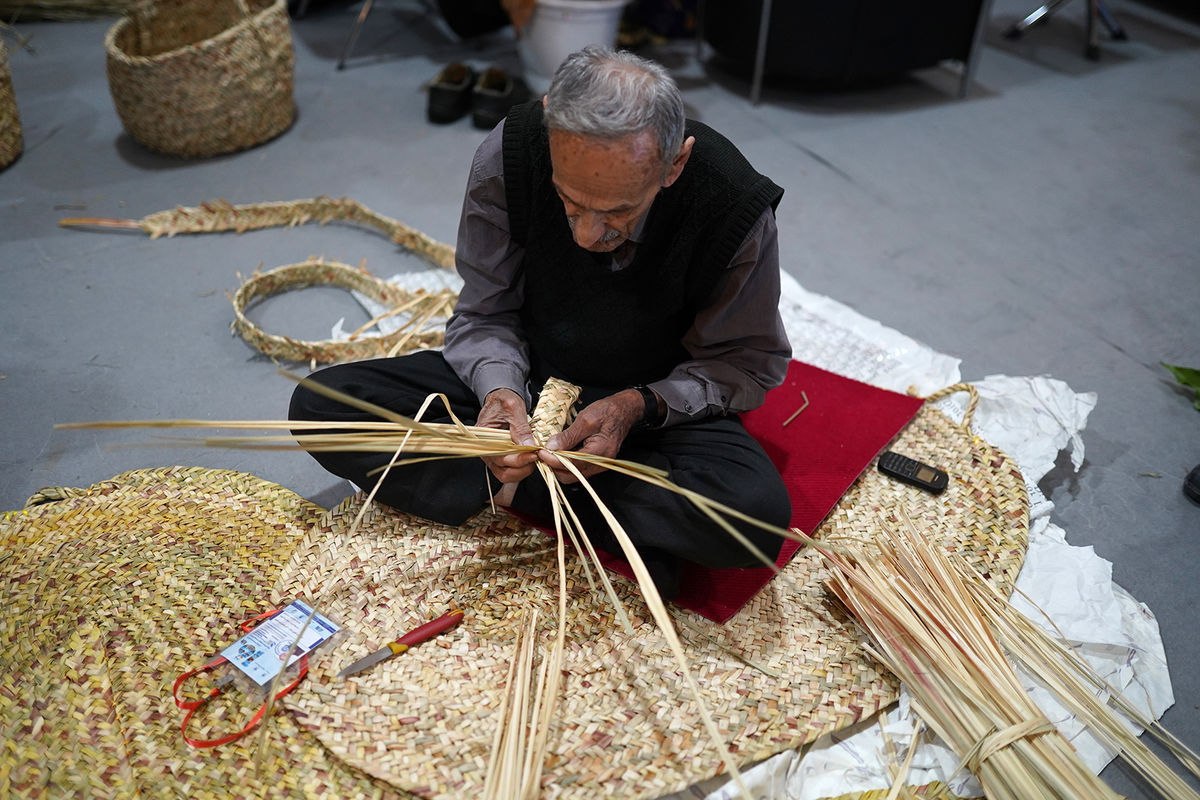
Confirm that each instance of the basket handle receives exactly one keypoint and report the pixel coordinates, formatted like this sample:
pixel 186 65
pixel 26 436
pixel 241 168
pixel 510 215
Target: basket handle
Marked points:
pixel 972 400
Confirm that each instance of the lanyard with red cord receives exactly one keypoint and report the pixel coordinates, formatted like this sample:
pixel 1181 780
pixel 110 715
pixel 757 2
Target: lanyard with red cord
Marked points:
pixel 191 706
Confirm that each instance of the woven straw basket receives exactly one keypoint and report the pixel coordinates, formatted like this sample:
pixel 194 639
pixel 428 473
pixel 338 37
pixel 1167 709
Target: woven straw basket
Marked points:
pixel 10 120
pixel 202 77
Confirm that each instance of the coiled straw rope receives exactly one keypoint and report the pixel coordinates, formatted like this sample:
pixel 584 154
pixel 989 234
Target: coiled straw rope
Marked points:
pixel 419 308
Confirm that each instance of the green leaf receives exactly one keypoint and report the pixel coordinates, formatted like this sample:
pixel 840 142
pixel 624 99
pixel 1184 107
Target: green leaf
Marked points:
pixel 1188 377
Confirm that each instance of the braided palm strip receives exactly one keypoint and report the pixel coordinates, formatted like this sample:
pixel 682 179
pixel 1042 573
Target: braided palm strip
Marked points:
pixel 220 215
pixel 555 408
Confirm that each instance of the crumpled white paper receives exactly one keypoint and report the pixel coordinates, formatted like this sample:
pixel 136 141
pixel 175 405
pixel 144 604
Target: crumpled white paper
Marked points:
pixel 431 280
pixel 1031 419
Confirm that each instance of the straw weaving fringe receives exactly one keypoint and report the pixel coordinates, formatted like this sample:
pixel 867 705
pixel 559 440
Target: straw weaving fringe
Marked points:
pixel 199 78
pixel 624 727
pixel 11 141
pixel 109 594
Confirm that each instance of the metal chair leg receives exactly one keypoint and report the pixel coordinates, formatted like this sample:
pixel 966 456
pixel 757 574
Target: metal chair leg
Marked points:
pixel 362 15
pixel 760 54
pixel 1114 28
pixel 1096 9
pixel 1020 27
pixel 972 63
pixel 1091 50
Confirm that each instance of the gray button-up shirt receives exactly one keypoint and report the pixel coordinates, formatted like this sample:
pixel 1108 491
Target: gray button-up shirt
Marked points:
pixel 737 344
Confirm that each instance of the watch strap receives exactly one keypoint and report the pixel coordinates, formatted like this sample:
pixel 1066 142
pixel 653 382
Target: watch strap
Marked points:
pixel 650 414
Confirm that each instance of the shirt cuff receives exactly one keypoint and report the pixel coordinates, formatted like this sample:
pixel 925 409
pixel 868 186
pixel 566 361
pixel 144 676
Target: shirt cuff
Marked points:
pixel 490 377
pixel 686 400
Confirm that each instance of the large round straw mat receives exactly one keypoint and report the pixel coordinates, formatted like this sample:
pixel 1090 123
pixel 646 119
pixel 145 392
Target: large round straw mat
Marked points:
pixel 787 669
pixel 111 592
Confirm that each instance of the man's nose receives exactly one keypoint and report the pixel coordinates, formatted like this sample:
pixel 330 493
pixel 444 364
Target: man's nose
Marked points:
pixel 588 229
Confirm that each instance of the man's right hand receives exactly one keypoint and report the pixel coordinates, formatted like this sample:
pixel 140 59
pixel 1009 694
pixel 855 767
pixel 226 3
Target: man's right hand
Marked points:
pixel 505 409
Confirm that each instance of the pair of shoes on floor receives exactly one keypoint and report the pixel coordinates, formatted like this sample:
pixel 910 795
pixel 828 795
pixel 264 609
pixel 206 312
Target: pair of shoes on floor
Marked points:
pixel 487 95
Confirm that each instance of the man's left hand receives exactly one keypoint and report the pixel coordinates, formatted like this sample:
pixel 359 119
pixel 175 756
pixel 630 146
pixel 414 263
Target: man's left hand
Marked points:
pixel 600 429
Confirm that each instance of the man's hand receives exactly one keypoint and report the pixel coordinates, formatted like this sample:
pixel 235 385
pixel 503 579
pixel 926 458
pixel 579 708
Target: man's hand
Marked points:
pixel 600 429
pixel 505 409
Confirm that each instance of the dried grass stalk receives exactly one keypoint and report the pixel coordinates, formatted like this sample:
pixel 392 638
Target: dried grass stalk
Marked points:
pixel 220 215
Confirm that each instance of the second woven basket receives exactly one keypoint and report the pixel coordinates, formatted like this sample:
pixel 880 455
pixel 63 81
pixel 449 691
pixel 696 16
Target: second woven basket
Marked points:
pixel 10 119
pixel 199 78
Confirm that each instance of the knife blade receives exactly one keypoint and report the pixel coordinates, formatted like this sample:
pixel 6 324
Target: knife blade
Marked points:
pixel 413 637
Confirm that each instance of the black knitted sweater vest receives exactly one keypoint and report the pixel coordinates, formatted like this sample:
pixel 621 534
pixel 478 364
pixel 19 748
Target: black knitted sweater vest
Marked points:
pixel 603 328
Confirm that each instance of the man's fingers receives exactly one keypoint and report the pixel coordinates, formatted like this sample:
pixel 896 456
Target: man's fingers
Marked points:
pixel 520 432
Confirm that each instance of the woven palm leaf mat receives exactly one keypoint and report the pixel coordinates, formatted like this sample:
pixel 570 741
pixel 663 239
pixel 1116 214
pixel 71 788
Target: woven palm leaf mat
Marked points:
pixel 111 592
pixel 785 670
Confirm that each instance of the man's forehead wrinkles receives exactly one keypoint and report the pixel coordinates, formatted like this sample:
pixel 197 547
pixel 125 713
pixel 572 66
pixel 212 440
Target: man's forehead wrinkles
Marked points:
pixel 613 210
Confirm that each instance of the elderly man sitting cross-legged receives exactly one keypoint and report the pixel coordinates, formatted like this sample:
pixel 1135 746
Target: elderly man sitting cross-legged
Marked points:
pixel 608 241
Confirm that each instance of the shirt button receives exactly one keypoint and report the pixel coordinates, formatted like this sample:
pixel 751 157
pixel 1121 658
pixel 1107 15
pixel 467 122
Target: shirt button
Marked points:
pixel 687 407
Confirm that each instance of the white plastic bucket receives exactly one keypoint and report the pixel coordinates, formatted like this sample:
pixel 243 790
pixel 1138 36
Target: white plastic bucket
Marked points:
pixel 559 28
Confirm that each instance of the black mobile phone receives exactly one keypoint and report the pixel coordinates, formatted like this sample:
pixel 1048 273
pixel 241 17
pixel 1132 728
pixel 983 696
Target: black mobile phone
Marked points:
pixel 913 472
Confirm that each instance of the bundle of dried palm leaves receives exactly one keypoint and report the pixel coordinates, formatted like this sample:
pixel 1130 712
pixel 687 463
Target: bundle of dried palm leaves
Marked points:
pixel 945 632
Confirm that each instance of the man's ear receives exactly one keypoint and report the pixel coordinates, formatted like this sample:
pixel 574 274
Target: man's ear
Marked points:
pixel 676 168
pixel 543 102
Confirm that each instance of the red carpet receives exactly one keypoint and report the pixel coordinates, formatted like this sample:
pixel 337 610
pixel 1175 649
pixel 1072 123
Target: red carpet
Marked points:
pixel 819 454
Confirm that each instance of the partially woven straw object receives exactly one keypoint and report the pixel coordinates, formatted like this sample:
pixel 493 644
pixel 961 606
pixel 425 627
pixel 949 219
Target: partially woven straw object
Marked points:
pixel 109 594
pixel 220 215
pixel 786 670
pixel 420 306
pixel 199 78
pixel 11 141
pixel 555 409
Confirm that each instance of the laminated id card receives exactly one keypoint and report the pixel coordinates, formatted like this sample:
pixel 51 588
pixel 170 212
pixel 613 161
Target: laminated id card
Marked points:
pixel 258 654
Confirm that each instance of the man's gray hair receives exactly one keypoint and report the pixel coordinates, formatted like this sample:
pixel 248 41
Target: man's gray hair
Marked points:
pixel 611 94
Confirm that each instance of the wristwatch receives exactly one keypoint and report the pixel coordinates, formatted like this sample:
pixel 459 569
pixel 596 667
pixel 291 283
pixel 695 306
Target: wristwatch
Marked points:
pixel 650 415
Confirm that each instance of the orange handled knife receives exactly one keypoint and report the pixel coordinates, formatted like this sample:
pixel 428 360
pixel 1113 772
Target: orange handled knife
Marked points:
pixel 426 631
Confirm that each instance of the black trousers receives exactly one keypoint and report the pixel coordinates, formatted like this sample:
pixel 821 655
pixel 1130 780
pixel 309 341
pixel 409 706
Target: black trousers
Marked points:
pixel 714 457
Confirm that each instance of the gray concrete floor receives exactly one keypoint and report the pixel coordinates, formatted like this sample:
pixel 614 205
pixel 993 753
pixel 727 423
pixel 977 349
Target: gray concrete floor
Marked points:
pixel 1045 225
